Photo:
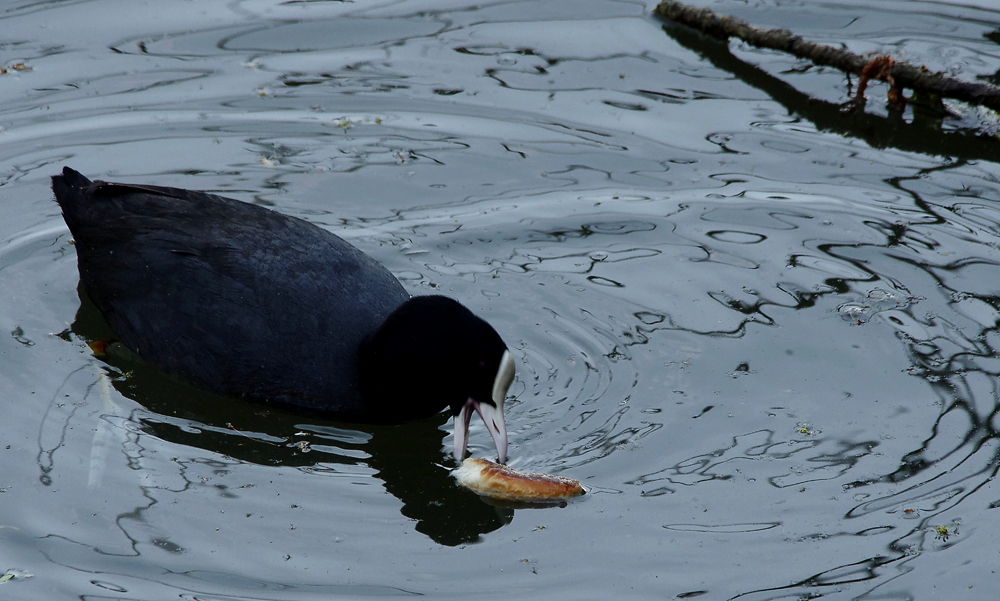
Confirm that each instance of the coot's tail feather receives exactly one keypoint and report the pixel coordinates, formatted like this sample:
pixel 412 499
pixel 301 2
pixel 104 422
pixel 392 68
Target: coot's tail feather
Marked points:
pixel 70 190
pixel 71 177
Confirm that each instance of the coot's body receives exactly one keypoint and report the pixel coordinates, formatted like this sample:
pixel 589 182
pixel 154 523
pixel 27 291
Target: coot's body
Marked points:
pixel 248 302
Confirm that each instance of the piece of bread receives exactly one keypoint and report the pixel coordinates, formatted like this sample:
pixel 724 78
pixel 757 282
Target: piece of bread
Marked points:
pixel 504 483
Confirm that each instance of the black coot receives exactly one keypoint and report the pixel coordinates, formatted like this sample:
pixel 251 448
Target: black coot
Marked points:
pixel 248 302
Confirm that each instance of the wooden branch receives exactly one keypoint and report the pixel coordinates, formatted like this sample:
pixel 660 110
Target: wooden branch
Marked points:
pixel 901 74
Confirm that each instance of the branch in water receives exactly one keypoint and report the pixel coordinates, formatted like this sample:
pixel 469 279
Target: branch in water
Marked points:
pixel 899 75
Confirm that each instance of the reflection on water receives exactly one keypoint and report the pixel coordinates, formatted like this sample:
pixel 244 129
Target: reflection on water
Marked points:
pixel 762 333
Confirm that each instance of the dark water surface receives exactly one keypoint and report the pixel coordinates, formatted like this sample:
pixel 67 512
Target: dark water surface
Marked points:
pixel 763 332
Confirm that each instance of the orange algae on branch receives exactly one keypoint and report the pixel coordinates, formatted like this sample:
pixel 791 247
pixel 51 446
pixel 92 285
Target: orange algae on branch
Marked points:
pixel 504 483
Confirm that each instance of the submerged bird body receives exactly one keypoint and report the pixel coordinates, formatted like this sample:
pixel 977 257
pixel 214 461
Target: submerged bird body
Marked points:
pixel 248 302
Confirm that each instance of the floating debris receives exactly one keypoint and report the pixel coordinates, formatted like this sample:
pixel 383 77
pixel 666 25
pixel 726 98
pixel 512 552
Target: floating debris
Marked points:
pixel 878 300
pixel 14 67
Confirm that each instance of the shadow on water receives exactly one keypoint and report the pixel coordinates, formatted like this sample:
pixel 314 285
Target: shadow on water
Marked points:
pixel 409 458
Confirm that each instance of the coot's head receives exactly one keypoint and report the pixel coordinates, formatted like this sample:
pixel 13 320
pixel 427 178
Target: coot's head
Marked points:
pixel 433 353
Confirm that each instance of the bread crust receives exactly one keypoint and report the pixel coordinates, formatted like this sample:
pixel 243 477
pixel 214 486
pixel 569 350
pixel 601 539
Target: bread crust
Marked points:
pixel 504 483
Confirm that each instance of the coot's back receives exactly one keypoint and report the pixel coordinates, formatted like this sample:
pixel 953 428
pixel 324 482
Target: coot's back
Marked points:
pixel 232 296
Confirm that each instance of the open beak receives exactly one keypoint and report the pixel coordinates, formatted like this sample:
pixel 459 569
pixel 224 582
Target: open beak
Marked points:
pixel 492 414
